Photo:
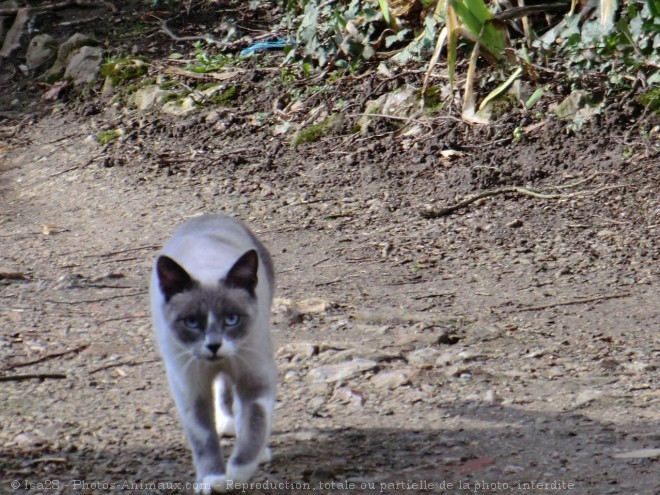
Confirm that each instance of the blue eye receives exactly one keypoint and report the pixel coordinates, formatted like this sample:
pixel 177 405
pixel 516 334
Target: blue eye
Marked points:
pixel 192 323
pixel 232 320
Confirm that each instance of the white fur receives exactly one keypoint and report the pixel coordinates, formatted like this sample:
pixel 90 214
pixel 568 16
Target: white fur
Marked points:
pixel 207 248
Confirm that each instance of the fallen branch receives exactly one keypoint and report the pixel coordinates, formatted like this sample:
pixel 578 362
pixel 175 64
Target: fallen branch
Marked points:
pixel 32 376
pixel 59 6
pixel 570 303
pixel 440 212
pixel 46 357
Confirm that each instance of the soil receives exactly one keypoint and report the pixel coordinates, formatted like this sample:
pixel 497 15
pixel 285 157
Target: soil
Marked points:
pixel 510 346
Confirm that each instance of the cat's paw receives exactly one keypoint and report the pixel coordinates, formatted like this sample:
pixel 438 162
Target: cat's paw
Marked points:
pixel 240 474
pixel 214 483
pixel 265 456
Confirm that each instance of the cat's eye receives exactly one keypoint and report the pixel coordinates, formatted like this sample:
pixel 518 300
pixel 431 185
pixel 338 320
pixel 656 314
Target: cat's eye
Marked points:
pixel 192 323
pixel 232 320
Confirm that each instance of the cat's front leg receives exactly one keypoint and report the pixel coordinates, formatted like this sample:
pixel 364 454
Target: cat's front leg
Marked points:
pixel 255 419
pixel 196 408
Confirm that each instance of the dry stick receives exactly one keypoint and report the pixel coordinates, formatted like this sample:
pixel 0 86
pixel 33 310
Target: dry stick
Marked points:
pixel 440 212
pixel 122 363
pixel 122 318
pixel 569 303
pixel 205 37
pixel 32 376
pixel 47 459
pixel 46 357
pixel 121 251
pixel 101 299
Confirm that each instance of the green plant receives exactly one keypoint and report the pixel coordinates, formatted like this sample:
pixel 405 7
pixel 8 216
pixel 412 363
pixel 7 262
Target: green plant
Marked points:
pixel 623 52
pixel 206 62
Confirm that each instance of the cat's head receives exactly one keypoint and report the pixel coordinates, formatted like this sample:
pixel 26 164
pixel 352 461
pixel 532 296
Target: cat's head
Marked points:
pixel 210 321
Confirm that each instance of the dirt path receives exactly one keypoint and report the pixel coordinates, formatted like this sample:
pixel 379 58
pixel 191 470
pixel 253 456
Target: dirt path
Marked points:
pixel 512 345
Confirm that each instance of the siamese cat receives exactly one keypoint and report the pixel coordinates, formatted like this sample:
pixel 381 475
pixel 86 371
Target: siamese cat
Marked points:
pixel 211 294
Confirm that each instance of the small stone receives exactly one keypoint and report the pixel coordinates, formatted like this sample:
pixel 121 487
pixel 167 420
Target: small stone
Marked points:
pixel 342 371
pixel 348 395
pixel 84 65
pixel 179 108
pixel 68 49
pixel 297 349
pixel 392 379
pixel 587 397
pixel 149 96
pixel 423 358
pixel 212 117
pixel 41 49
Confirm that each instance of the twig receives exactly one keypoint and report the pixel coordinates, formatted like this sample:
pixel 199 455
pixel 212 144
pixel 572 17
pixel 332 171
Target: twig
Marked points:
pixel 440 212
pixel 122 318
pixel 205 37
pixel 58 460
pixel 46 357
pixel 569 303
pixel 32 376
pixel 122 363
pixel 432 296
pixel 101 299
pixel 121 251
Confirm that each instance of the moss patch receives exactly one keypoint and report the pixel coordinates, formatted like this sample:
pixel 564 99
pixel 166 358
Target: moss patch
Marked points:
pixel 433 100
pixel 226 97
pixel 106 136
pixel 650 99
pixel 315 132
pixel 119 71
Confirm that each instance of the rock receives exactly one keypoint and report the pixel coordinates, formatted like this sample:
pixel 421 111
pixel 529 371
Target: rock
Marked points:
pixel 212 117
pixel 28 440
pixel 16 32
pixel 297 349
pixel 67 50
pixel 400 103
pixel 586 397
pixel 41 49
pixel 342 371
pixel 84 65
pixel 568 108
pixel 392 379
pixel 348 395
pixel 457 371
pixel 423 358
pixel 147 97
pixel 179 108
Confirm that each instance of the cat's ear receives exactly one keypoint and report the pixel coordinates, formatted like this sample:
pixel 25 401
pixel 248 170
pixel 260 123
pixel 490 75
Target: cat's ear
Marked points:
pixel 243 275
pixel 172 277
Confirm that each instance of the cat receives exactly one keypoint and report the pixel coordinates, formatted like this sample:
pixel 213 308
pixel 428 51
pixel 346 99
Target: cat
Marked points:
pixel 211 294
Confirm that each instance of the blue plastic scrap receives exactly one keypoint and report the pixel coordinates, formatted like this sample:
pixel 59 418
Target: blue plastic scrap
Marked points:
pixel 266 45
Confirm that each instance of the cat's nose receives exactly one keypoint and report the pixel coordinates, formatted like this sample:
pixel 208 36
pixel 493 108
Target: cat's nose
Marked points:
pixel 213 348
